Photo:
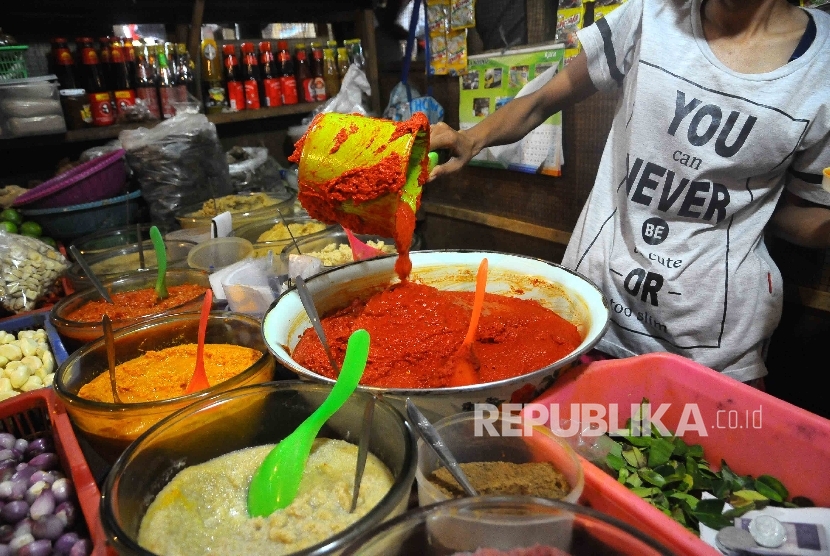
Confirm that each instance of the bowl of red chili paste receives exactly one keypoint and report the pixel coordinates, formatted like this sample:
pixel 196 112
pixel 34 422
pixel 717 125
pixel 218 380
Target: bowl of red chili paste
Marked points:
pixel 538 318
pixel 77 317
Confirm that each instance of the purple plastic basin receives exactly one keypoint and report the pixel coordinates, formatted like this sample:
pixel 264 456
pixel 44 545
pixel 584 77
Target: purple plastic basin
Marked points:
pixel 100 178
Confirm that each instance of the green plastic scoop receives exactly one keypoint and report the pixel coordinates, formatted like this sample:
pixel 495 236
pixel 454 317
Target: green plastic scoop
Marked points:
pixel 161 261
pixel 275 484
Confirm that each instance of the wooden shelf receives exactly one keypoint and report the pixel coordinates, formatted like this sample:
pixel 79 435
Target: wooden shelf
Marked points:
pixel 111 132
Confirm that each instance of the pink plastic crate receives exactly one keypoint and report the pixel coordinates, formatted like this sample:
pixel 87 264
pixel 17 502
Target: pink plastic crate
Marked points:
pixel 781 439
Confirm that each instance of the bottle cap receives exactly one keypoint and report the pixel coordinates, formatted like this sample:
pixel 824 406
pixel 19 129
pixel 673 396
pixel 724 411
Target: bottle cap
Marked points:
pixel 734 540
pixel 282 45
pixel 767 531
pixel 228 49
pixel 265 46
pixel 246 47
pixel 299 46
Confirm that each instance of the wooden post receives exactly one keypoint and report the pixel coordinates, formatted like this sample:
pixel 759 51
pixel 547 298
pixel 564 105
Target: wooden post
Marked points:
pixel 365 26
pixel 194 42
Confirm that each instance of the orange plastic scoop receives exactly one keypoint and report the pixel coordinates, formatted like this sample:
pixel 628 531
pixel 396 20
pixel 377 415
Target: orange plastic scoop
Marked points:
pixel 466 364
pixel 199 380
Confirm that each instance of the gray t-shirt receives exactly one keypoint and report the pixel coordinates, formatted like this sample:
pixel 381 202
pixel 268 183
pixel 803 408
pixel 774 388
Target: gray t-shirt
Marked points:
pixel 697 157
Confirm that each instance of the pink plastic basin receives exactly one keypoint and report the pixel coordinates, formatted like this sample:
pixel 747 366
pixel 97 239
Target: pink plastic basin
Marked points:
pixel 755 433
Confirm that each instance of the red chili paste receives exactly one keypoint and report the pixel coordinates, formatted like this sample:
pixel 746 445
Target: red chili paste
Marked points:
pixel 137 303
pixel 416 329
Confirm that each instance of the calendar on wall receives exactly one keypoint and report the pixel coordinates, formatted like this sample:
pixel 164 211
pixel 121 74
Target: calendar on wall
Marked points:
pixel 494 79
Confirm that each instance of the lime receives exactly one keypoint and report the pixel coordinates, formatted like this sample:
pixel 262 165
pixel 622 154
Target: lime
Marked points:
pixel 48 241
pixel 8 226
pixel 11 215
pixel 32 229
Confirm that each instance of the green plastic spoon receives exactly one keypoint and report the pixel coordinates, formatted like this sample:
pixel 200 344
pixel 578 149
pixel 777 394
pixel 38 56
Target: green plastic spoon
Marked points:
pixel 161 261
pixel 275 484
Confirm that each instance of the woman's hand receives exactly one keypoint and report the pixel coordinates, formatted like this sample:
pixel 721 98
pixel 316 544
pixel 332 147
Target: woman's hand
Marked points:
pixel 458 143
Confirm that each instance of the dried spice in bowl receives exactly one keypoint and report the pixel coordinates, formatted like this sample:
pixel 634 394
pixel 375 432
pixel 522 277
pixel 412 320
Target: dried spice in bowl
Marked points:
pixel 537 478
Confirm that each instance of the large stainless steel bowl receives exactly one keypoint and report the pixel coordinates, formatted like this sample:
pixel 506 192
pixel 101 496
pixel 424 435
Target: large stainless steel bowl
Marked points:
pixel 569 294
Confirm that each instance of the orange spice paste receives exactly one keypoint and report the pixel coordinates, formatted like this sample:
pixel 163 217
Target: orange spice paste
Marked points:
pixel 164 374
pixel 367 200
pixel 137 303
pixel 416 329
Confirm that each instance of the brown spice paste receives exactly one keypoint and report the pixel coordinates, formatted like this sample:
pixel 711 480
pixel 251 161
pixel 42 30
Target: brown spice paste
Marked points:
pixel 539 478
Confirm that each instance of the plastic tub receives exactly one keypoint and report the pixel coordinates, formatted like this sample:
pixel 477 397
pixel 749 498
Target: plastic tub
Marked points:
pixel 103 240
pixel 38 414
pixel 121 261
pixel 193 216
pixel 196 235
pixel 331 241
pixel 753 432
pixel 111 427
pixel 251 286
pixel 33 321
pixel 75 333
pixel 505 523
pixel 303 226
pixel 68 223
pixel 459 435
pixel 101 178
pixel 246 417
pixel 216 253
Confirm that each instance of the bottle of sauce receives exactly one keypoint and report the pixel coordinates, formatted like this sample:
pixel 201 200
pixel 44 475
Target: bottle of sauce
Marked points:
pixel 330 73
pixel 129 54
pixel 270 84
pixel 233 82
pixel 288 83
pixel 145 82
pixel 342 61
pixel 185 71
pixel 318 84
pixel 250 76
pixel 92 77
pixel 73 97
pixel 305 80
pixel 123 88
pixel 213 92
pixel 168 92
pixel 104 60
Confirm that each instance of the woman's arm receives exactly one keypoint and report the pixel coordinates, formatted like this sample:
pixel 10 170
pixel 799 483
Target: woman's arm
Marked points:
pixel 515 119
pixel 801 222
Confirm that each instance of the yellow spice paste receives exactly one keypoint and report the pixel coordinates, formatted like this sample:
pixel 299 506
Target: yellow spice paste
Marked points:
pixel 164 374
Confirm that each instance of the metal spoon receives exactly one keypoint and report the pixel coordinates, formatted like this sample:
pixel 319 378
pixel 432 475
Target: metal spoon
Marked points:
pixel 308 305
pixel 363 448
pixel 91 275
pixel 434 441
pixel 140 246
pixel 110 345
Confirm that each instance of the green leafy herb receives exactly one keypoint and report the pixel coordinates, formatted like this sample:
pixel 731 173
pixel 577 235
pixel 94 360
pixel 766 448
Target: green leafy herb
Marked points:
pixel 672 476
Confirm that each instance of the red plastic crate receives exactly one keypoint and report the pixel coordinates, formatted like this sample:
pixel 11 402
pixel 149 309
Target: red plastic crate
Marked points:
pixel 781 440
pixel 38 414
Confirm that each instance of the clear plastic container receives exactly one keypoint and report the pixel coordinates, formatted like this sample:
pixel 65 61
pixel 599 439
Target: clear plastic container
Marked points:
pixel 98 242
pixel 242 207
pixel 246 417
pixel 301 227
pixel 121 261
pixel 216 253
pixel 326 246
pixel 471 443
pixel 498 524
